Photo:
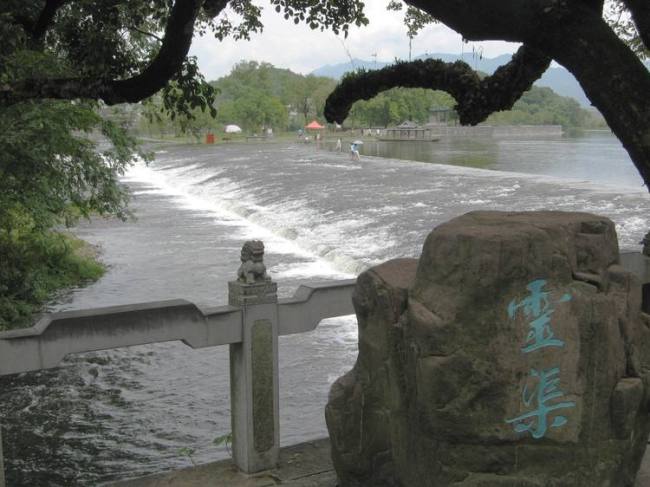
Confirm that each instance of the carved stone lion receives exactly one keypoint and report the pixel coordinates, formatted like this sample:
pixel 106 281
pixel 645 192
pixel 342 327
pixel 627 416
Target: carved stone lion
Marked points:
pixel 252 267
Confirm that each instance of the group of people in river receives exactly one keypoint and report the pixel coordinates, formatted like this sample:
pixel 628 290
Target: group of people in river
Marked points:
pixel 354 149
pixel 354 146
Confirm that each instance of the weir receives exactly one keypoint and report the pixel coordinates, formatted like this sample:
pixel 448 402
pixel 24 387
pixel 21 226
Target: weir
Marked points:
pixel 250 324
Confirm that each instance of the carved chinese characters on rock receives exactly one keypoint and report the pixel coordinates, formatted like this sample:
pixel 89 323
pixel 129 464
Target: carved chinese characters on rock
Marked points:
pixel 542 397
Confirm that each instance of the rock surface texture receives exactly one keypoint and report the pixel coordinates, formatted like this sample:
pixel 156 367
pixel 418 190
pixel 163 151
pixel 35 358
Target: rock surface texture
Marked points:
pixel 513 353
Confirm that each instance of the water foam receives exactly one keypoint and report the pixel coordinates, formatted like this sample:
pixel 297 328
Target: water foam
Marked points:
pixel 230 209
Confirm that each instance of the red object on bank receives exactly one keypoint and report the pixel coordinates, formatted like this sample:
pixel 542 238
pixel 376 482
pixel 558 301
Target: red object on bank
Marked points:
pixel 209 138
pixel 314 125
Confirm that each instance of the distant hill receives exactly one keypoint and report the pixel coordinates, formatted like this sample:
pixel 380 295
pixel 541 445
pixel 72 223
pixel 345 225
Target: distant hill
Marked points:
pixel 558 78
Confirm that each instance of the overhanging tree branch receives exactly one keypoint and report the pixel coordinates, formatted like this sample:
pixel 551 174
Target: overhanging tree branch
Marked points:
pixel 506 20
pixel 612 76
pixel 146 33
pixel 167 63
pixel 576 36
pixel 45 19
pixel 595 5
pixel 476 98
pixel 212 8
pixel 640 10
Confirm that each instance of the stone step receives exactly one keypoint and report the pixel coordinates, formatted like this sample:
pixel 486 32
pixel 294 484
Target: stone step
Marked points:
pixel 303 465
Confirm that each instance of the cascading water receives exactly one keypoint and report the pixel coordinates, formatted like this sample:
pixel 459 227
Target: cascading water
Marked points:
pixel 129 412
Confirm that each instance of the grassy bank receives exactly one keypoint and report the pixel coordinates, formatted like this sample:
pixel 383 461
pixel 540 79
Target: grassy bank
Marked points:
pixel 37 265
pixel 220 138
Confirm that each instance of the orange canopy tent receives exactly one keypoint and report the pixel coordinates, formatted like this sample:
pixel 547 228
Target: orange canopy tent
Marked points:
pixel 314 125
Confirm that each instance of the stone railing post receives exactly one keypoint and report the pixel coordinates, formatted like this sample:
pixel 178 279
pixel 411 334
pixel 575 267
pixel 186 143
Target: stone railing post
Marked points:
pixel 254 392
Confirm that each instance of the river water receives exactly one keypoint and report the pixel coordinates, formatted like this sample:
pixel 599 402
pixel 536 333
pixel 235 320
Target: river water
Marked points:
pixel 129 412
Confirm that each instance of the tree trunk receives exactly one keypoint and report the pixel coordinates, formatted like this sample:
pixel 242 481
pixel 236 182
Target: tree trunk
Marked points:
pixel 614 80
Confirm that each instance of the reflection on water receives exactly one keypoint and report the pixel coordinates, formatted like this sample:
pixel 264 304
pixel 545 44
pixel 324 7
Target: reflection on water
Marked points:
pixel 480 153
pixel 593 156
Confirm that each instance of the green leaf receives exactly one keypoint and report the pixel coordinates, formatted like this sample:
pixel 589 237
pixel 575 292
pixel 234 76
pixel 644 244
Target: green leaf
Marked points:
pixel 223 439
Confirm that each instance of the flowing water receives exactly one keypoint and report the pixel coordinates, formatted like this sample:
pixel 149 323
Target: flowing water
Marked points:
pixel 128 412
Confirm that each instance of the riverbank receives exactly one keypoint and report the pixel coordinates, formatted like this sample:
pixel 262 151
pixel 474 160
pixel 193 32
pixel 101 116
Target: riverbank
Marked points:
pixel 220 139
pixel 499 131
pixel 38 267
pixel 370 135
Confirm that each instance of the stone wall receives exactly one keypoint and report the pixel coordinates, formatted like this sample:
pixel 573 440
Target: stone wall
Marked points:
pixel 498 130
pixel 513 353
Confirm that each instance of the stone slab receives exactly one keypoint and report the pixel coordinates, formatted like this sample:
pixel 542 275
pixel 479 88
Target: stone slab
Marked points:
pixel 303 465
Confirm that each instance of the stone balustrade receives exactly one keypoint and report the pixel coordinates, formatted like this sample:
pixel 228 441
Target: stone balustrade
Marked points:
pixel 250 324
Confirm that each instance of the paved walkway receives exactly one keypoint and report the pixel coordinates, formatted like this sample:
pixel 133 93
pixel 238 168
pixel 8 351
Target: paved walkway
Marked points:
pixel 304 465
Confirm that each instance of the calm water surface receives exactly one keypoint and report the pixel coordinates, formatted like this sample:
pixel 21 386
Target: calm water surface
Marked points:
pixel 129 412
pixel 594 156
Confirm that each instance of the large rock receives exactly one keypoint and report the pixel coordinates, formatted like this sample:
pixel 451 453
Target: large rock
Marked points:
pixel 519 358
pixel 358 412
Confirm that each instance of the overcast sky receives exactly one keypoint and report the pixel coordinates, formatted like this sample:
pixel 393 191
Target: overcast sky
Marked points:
pixel 297 47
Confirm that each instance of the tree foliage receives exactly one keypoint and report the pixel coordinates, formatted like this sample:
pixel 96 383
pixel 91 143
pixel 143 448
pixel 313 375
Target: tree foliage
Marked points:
pixel 620 19
pixel 51 173
pixel 254 96
pixel 50 167
pixel 125 51
pixel 414 19
pixel 476 96
pixel 397 105
pixel 540 106
pixel 60 62
pixel 302 96
pixel 85 52
pixel 602 51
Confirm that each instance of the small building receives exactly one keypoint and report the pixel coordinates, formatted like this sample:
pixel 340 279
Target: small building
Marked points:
pixel 410 131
